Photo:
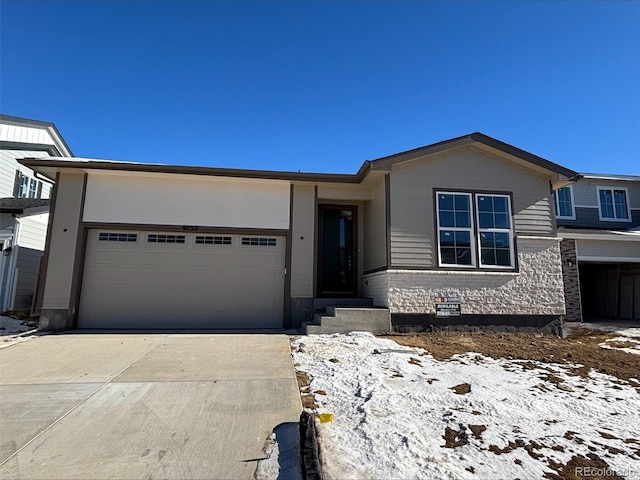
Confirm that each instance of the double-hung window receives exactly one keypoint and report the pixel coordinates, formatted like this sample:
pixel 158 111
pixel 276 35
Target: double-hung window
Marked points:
pixel 613 204
pixel 455 230
pixel 474 230
pixel 27 187
pixel 563 198
pixel 494 230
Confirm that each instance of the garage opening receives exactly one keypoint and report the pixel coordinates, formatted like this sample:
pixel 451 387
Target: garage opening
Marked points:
pixel 610 291
pixel 168 280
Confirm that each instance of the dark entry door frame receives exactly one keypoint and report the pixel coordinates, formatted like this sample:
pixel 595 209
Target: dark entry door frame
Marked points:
pixel 337 259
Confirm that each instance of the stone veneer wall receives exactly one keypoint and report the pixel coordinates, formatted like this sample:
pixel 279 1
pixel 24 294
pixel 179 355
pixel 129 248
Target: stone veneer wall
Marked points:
pixel 536 289
pixel 571 279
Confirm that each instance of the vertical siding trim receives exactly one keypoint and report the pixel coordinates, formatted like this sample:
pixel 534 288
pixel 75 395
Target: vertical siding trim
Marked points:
pixel 387 216
pixel 287 265
pixel 315 240
pixel 47 244
pixel 78 267
pixel 552 209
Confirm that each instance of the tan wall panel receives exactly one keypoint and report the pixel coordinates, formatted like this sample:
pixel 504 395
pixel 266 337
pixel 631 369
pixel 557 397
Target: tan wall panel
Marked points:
pixel 163 199
pixel 302 241
pixel 64 237
pixel 375 231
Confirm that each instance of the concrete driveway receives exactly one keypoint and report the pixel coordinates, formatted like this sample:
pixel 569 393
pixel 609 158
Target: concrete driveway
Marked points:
pixel 135 405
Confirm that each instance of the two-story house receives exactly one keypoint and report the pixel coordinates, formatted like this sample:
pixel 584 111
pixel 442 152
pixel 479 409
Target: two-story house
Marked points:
pixel 599 223
pixel 24 206
pixel 464 226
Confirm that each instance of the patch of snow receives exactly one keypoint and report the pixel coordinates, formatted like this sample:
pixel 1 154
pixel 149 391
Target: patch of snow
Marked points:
pixel 13 330
pixel 628 335
pixel 391 411
pixel 283 455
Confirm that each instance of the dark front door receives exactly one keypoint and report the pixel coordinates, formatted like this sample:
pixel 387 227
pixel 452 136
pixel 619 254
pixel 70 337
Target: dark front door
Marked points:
pixel 337 251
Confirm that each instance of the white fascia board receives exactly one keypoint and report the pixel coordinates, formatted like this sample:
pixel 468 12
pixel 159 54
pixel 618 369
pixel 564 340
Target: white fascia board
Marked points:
pixel 589 258
pixel 615 236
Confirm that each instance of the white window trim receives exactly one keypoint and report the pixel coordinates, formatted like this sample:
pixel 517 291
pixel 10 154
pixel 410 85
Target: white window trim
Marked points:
pixel 30 180
pixel 614 219
pixel 556 202
pixel 509 231
pixel 456 229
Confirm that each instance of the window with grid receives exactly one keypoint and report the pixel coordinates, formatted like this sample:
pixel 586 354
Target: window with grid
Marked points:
pixel 212 240
pixel 494 230
pixel 27 187
pixel 613 204
pixel 259 241
pixel 455 230
pixel 117 237
pixel 487 243
pixel 162 238
pixel 563 198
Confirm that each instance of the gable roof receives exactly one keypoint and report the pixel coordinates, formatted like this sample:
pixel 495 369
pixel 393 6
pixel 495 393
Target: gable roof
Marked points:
pixel 61 149
pixel 470 139
pixel 48 166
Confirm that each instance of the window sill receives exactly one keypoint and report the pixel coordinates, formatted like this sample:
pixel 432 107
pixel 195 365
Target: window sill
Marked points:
pixel 496 273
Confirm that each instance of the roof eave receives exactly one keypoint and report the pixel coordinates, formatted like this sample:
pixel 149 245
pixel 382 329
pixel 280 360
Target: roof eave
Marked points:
pixel 40 164
pixel 470 139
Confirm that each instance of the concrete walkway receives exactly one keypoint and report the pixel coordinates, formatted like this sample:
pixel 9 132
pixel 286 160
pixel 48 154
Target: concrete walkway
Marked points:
pixel 89 405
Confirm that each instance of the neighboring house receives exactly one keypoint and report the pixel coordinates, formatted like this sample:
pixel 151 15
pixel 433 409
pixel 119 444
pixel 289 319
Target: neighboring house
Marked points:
pixel 159 246
pixel 598 220
pixel 24 206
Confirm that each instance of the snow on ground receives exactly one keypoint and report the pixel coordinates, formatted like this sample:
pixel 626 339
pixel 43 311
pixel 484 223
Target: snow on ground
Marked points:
pixel 393 406
pixel 628 339
pixel 14 330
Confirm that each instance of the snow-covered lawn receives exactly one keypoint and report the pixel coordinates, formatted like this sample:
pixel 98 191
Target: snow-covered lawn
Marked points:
pixel 400 414
pixel 13 330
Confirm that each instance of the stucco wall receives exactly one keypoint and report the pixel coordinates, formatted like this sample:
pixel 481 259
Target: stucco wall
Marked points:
pixel 537 289
pixel 164 199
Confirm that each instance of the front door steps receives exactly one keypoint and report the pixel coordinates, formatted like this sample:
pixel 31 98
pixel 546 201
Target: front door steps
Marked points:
pixel 343 315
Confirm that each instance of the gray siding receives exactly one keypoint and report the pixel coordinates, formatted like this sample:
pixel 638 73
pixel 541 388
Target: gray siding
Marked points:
pixel 375 231
pixel 9 166
pixel 413 229
pixel 590 218
pixel 28 264
pixel 585 192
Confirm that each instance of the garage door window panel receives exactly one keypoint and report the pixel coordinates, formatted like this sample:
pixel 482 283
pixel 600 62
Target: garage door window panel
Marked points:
pixel 117 237
pixel 162 238
pixel 259 241
pixel 213 240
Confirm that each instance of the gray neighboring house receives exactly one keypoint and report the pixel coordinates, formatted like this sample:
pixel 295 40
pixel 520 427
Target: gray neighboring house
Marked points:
pixel 160 246
pixel 599 223
pixel 24 206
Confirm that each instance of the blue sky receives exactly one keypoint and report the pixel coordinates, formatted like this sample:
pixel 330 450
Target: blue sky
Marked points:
pixel 323 86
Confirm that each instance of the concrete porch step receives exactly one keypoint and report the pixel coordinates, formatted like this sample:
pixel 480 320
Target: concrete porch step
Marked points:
pixel 349 319
pixel 321 304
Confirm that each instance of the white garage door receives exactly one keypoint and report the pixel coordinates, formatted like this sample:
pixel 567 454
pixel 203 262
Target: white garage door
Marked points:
pixel 138 279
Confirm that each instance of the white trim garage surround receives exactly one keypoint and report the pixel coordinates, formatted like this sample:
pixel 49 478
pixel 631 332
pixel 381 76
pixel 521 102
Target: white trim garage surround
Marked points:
pixel 149 279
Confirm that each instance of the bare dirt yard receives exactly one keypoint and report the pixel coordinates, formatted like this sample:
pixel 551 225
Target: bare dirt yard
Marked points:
pixel 582 346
